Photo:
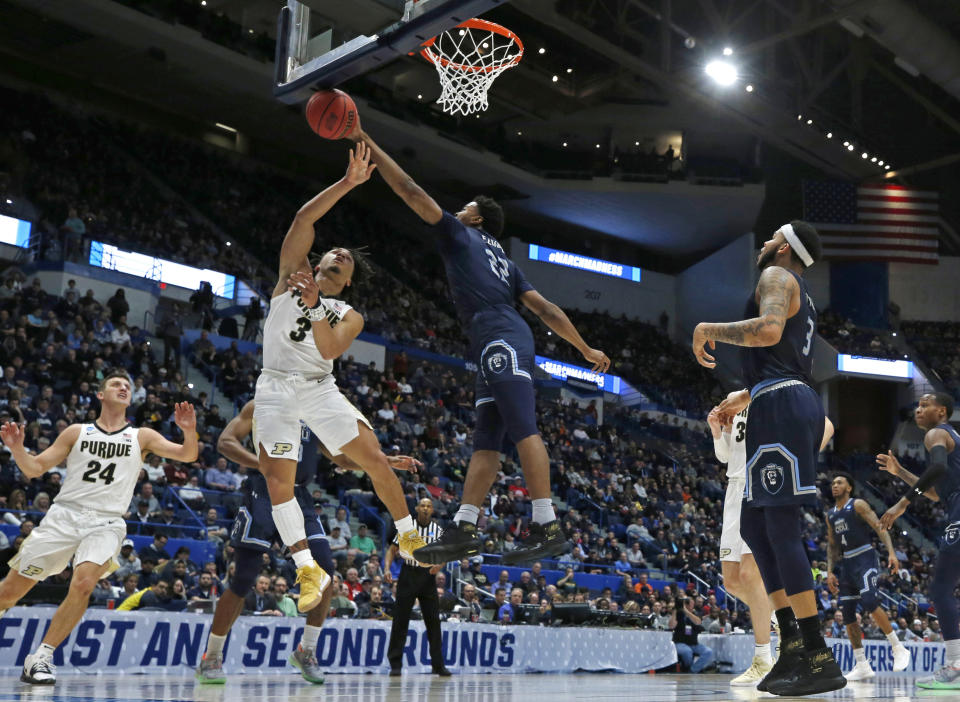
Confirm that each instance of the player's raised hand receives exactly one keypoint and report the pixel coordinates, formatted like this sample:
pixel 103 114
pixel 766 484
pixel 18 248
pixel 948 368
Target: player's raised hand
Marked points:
pixel 715 422
pixel 185 417
pixel 12 435
pixel 599 360
pixel 359 169
pixel 888 462
pixel 890 516
pixel 306 285
pixel 699 351
pixel 733 405
pixel 407 463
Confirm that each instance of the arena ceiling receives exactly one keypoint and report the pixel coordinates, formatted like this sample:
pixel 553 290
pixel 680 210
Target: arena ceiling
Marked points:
pixel 631 62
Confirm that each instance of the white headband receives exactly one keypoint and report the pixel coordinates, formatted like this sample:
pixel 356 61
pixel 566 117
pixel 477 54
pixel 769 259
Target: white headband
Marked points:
pixel 796 245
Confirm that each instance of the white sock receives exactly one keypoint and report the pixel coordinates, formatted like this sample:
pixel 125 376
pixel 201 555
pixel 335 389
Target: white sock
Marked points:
pixel 404 525
pixel 953 652
pixel 543 510
pixel 215 644
pixel 894 641
pixel 310 636
pixel 467 513
pixel 762 651
pixel 302 558
pixel 860 655
pixel 288 518
pixel 44 651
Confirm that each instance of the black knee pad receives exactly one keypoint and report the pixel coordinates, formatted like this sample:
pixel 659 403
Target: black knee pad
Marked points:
pixel 849 609
pixel 249 561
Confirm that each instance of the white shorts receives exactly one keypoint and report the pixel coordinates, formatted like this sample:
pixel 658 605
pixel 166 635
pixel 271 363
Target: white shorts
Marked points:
pixel 732 545
pixel 283 400
pixel 68 533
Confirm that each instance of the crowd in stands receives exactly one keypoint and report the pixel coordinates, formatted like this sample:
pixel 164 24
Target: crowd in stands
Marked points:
pixel 847 337
pixel 938 344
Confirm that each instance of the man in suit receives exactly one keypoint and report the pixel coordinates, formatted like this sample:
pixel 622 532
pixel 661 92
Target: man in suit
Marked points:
pixel 260 601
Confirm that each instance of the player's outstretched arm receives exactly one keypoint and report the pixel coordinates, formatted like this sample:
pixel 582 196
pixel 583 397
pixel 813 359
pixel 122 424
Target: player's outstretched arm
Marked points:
pixel 938 444
pixel 299 239
pixel 775 291
pixel 32 466
pixel 401 183
pixel 558 321
pixel 889 463
pixel 870 517
pixel 833 557
pixel 152 441
pixel 230 444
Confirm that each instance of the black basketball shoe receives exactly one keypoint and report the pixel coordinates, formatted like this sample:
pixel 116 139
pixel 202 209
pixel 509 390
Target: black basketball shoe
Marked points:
pixel 790 654
pixel 456 542
pixel 541 541
pixel 816 672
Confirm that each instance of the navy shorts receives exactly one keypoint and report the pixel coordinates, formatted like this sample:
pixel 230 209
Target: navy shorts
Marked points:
pixel 253 528
pixel 783 440
pixel 502 347
pixel 858 577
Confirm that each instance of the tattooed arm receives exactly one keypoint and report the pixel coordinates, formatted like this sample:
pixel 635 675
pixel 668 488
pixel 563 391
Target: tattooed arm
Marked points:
pixel 776 293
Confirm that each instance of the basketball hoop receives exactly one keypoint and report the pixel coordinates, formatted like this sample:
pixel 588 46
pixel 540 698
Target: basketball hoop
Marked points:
pixel 468 59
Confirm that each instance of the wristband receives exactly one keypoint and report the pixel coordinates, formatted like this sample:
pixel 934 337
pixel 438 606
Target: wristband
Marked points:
pixel 318 313
pixel 912 494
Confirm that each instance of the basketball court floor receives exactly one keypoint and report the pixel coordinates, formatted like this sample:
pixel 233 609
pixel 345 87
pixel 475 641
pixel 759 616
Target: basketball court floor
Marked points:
pixel 424 688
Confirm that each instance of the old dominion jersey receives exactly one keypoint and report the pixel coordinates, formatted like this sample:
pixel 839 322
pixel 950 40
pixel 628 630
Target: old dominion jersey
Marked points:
pixel 850 532
pixel 102 470
pixel 481 276
pixel 288 344
pixel 786 414
pixel 949 491
pixel 792 356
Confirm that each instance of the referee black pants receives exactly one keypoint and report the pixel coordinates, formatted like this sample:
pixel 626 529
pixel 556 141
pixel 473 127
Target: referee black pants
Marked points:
pixel 415 583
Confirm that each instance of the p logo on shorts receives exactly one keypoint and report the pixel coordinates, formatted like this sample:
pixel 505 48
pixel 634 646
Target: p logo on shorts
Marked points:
pixel 32 570
pixel 951 534
pixel 771 476
pixel 282 447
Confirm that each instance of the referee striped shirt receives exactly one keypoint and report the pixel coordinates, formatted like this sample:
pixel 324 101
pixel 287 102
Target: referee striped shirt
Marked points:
pixel 429 534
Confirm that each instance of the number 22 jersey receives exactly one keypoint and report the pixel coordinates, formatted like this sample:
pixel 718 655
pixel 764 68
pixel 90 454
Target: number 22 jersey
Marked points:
pixel 102 470
pixel 288 344
pixel 480 274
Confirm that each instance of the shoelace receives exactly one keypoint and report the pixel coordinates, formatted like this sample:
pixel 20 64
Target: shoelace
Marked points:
pixel 42 666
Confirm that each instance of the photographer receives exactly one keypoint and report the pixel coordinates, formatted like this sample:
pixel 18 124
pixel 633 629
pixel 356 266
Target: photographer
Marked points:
pixel 686 630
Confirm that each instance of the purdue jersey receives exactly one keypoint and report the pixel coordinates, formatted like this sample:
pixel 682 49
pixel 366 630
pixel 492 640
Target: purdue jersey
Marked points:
pixel 102 470
pixel 737 441
pixel 288 344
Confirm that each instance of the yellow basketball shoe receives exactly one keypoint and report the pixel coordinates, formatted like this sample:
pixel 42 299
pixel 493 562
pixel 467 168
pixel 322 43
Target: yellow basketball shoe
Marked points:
pixel 313 580
pixel 409 542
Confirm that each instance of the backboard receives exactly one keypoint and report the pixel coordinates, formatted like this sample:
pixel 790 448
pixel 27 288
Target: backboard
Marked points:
pixel 307 60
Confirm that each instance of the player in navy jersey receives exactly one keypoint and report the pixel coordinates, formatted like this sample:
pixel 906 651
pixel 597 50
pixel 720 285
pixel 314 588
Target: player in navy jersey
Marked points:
pixel 940 482
pixel 853 568
pixel 254 532
pixel 486 285
pixel 783 439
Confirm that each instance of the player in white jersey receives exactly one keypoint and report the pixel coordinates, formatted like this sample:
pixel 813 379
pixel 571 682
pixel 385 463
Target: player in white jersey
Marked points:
pixel 85 522
pixel 741 577
pixel 306 329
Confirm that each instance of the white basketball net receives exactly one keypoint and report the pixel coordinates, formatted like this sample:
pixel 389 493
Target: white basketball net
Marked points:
pixel 468 59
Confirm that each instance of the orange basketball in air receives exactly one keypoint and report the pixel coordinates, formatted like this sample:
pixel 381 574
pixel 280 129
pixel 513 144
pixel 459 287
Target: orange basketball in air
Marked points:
pixel 332 114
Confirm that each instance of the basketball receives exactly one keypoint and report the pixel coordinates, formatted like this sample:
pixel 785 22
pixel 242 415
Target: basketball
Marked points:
pixel 332 114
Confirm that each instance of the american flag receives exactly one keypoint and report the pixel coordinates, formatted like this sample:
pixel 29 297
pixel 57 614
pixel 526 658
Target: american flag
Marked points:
pixel 874 222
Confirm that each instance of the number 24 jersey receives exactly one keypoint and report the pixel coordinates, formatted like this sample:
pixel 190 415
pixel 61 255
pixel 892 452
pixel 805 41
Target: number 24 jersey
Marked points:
pixel 102 469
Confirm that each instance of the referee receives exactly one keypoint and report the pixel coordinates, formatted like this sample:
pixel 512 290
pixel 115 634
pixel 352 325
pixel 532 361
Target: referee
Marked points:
pixel 416 583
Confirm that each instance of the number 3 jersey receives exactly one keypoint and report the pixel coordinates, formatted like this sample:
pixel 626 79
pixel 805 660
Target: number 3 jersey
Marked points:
pixel 102 470
pixel 288 344
pixel 736 440
pixel 790 358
